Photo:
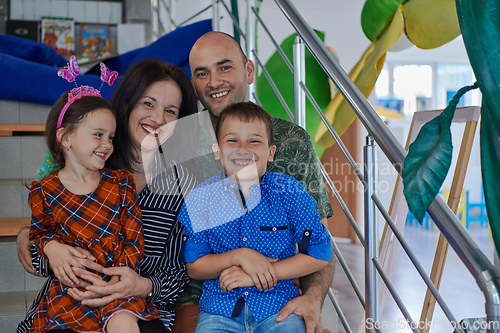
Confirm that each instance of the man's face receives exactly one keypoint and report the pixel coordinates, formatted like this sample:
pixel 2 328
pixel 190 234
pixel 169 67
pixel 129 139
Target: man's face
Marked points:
pixel 219 74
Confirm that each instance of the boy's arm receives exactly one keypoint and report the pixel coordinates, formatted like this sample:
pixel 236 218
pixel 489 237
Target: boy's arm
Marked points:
pixel 257 266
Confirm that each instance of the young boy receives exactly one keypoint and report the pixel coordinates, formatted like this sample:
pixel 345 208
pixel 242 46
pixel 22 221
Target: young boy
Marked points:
pixel 241 228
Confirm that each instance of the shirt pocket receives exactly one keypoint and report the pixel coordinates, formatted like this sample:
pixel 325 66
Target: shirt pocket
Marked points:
pixel 274 239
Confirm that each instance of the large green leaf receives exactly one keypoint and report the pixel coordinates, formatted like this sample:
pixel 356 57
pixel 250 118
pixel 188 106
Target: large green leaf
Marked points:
pixel 429 159
pixel 481 31
pixel 426 165
pixel 316 82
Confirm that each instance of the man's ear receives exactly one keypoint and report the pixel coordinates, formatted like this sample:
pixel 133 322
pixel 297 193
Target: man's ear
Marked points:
pixel 250 67
pixel 192 83
pixel 216 150
pixel 272 150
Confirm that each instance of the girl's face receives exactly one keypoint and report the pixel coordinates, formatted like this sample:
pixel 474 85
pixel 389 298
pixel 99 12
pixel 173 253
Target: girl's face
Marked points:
pixel 91 142
pixel 153 119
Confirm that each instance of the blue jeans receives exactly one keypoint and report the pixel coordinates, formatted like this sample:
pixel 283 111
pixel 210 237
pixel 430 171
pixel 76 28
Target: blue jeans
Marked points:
pixel 208 322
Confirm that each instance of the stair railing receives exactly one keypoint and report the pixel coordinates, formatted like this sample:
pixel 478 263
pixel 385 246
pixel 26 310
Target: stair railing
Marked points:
pixel 487 277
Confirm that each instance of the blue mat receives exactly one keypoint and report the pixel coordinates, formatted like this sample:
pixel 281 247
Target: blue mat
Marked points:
pixel 29 70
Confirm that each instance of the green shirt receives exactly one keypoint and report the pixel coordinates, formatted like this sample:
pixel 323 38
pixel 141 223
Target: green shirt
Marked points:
pixel 295 156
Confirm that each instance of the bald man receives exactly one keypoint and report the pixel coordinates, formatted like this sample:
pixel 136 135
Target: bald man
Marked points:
pixel 221 74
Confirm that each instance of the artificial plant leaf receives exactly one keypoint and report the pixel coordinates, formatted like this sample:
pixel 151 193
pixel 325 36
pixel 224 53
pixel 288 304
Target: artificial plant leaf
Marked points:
pixel 431 23
pixel 364 75
pixel 426 165
pixel 316 82
pixel 429 159
pixel 376 14
pixel 480 30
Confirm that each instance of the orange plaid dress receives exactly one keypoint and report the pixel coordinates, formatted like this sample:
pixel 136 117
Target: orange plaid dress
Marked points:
pixel 106 222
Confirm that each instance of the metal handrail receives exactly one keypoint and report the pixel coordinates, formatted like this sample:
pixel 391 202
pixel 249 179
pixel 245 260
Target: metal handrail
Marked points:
pixel 487 277
pixel 476 262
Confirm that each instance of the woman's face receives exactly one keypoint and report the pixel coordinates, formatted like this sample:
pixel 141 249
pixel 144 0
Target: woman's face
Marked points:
pixel 153 119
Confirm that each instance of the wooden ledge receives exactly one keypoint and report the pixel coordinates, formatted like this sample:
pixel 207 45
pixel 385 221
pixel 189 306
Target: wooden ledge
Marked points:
pixel 9 129
pixel 10 226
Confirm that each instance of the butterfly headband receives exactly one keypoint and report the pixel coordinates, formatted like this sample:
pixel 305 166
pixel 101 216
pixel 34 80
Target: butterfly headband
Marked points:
pixel 69 73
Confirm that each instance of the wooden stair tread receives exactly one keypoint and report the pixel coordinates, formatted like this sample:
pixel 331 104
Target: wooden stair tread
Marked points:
pixel 8 129
pixel 10 226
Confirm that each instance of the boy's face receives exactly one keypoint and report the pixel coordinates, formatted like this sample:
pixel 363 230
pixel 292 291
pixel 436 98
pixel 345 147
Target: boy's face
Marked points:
pixel 244 150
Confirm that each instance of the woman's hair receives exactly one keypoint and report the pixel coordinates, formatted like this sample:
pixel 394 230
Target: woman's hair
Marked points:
pixel 74 115
pixel 132 87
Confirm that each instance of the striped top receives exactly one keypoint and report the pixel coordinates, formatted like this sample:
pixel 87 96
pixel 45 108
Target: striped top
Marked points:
pixel 160 201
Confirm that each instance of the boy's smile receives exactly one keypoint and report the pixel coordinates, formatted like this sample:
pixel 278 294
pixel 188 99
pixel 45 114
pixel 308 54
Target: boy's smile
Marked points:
pixel 244 150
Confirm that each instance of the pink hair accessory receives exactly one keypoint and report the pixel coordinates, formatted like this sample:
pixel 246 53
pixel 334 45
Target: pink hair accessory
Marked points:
pixel 108 76
pixel 69 73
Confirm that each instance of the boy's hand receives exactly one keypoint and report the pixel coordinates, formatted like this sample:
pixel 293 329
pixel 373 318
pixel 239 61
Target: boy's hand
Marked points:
pixel 234 277
pixel 62 258
pixel 258 267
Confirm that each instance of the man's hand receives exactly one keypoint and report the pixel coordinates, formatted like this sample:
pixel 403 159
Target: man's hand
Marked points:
pixel 125 282
pixel 259 268
pixel 306 307
pixel 234 277
pixel 24 251
pixel 62 258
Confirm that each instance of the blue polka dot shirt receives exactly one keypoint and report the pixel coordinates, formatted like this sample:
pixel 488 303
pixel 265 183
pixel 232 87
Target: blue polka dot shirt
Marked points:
pixel 278 215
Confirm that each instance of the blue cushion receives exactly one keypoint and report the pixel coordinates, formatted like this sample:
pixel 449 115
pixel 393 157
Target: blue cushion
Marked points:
pixel 28 77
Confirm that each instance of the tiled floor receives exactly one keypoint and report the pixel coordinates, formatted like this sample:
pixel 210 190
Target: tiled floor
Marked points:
pixel 458 288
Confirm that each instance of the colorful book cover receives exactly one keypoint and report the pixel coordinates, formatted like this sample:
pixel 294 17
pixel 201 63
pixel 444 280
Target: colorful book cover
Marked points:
pixel 95 40
pixel 59 34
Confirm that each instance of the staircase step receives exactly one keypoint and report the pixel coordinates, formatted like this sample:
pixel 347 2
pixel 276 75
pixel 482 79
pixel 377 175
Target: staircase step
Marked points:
pixel 21 156
pixel 13 112
pixel 13 307
pixel 11 226
pixel 14 198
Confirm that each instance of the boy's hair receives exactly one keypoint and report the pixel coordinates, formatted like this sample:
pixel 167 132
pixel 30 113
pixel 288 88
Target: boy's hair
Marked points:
pixel 247 112
pixel 73 116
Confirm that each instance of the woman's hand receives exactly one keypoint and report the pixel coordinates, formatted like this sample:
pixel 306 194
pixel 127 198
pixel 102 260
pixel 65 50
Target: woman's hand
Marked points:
pixel 128 284
pixel 258 267
pixel 234 277
pixel 62 258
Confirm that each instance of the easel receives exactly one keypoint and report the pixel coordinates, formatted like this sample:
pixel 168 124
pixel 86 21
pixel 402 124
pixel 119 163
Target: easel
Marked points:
pixel 398 207
pixel 469 116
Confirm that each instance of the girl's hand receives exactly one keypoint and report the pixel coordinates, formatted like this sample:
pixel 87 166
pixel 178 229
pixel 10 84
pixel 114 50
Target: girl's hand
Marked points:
pixel 128 284
pixel 62 258
pixel 234 277
pixel 80 294
pixel 259 268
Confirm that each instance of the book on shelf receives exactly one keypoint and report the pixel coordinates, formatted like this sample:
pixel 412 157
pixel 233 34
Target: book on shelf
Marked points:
pixel 59 34
pixel 95 41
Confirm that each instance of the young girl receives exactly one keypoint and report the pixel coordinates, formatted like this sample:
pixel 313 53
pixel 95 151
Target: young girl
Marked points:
pixel 86 207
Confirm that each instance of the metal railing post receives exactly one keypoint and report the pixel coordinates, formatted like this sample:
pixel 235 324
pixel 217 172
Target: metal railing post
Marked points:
pixel 299 75
pixel 371 297
pixel 250 43
pixel 215 15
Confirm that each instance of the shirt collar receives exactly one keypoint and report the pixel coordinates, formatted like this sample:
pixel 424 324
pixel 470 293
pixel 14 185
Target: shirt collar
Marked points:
pixel 229 185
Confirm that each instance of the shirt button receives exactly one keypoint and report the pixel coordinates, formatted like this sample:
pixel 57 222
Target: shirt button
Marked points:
pixel 245 210
pixel 244 239
pixel 274 228
pixel 232 185
pixel 265 186
pixel 306 233
pixel 246 293
pixel 185 238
